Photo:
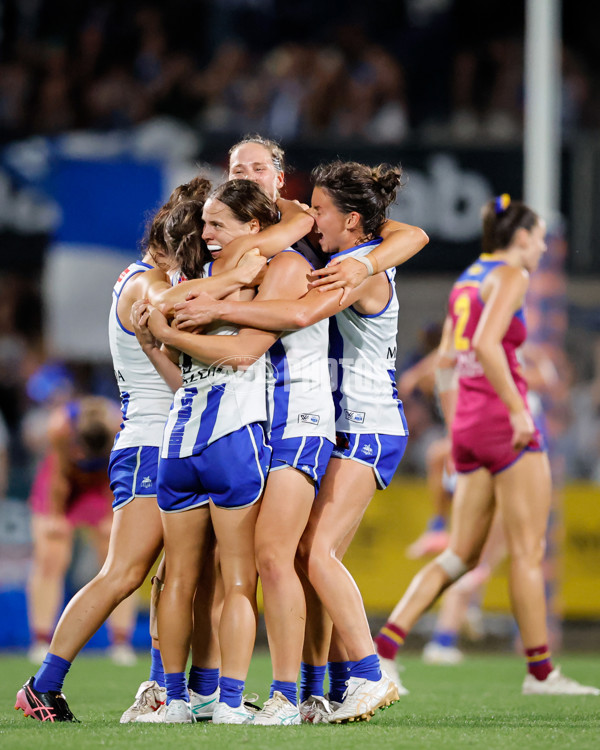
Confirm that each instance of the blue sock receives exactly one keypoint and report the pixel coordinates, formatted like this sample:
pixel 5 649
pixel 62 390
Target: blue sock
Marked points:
pixel 311 680
pixel 445 638
pixel 231 691
pixel 436 523
pixel 176 687
pixel 339 672
pixel 367 668
pixel 203 681
pixel 51 675
pixel 157 673
pixel 289 689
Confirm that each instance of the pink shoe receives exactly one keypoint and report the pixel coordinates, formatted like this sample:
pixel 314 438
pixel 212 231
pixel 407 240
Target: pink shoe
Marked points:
pixel 429 543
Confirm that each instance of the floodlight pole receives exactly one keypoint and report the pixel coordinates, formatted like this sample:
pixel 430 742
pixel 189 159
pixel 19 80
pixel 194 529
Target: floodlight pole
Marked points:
pixel 542 108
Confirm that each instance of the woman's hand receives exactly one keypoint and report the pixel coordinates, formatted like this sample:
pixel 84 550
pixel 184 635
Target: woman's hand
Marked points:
pixel 198 310
pixel 339 274
pixel 157 323
pixel 523 429
pixel 140 314
pixel 250 267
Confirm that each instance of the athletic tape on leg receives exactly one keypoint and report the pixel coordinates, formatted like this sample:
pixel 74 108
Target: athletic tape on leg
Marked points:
pixel 451 564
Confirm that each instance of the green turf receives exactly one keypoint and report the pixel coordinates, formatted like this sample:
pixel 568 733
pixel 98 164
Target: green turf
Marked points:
pixel 475 705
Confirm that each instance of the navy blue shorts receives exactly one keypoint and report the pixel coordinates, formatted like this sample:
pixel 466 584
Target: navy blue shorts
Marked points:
pixel 231 472
pixel 310 455
pixel 132 473
pixel 382 453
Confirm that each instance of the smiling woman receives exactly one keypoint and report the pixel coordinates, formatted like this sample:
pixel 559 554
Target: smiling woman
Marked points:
pixel 235 209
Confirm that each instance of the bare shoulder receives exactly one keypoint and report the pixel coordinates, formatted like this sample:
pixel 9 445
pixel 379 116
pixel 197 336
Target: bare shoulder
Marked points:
pixel 289 259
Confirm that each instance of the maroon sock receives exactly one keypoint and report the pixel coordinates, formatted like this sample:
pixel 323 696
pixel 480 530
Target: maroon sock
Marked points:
pixel 539 662
pixel 42 636
pixel 389 639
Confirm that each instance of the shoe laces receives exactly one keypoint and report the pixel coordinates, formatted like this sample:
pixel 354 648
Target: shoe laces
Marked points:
pixel 272 705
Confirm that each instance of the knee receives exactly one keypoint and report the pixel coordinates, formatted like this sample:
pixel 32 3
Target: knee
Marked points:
pixel 453 565
pixel 50 565
pixel 313 558
pixel 272 563
pixel 528 552
pixel 124 581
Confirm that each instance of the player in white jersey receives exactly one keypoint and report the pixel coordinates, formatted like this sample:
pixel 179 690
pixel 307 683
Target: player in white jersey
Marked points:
pixel 349 202
pixel 136 534
pixel 262 160
pixel 213 437
pixel 301 434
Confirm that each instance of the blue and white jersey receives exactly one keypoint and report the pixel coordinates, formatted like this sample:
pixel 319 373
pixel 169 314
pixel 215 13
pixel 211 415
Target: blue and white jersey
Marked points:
pixel 299 401
pixel 145 397
pixel 213 401
pixel 363 352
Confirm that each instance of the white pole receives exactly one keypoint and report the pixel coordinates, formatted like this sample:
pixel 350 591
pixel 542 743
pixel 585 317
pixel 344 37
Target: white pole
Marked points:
pixel 542 108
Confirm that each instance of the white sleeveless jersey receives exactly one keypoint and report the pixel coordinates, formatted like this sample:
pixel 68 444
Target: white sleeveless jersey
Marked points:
pixel 213 402
pixel 145 397
pixel 363 352
pixel 299 401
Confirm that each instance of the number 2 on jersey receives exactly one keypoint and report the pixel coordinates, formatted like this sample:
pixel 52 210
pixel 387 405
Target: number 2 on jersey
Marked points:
pixel 462 310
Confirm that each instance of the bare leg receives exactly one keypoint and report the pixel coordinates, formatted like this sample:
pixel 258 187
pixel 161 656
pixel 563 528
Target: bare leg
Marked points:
pixel 283 516
pixel 52 550
pixel 523 492
pixel 208 604
pixel 472 513
pixel 345 493
pixel 135 541
pixel 234 530
pixel 121 621
pixel 459 596
pixel 186 535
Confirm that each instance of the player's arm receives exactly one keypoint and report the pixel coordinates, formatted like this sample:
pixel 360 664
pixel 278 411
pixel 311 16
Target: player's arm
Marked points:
pixel 503 292
pixel 285 278
pixel 271 315
pixel 160 358
pixel 400 243
pixel 246 273
pixel 238 352
pixel 445 372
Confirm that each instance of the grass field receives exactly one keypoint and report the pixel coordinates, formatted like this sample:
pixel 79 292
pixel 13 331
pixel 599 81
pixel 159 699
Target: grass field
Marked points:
pixel 475 705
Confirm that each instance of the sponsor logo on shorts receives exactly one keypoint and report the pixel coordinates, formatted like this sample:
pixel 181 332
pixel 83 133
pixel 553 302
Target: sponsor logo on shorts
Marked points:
pixel 367 450
pixel 309 418
pixel 357 417
pixel 146 482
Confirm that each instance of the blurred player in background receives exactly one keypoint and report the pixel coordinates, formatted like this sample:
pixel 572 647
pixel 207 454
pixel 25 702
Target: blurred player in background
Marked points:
pixel 71 490
pixel 496 447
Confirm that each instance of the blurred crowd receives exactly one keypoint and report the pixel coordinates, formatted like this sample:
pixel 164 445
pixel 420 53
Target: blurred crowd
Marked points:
pixel 373 71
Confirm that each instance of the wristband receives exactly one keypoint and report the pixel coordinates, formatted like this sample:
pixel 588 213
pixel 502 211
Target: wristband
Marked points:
pixel 366 263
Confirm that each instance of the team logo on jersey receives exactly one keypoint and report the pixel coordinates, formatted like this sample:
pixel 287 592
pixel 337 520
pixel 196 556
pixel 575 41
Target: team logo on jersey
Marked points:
pixel 358 417
pixel 367 450
pixel 146 482
pixel 309 418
